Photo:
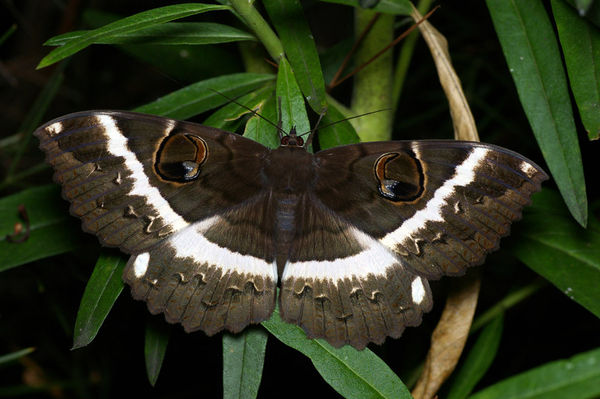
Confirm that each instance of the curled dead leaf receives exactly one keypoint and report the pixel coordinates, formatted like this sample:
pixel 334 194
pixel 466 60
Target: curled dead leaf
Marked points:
pixel 462 118
pixel 449 337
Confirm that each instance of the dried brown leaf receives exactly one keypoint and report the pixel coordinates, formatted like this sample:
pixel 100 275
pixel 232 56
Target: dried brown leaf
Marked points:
pixel 462 118
pixel 449 337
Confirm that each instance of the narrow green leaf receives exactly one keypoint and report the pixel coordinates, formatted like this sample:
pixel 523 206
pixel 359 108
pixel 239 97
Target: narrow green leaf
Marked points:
pixel 300 49
pixel 574 378
pixel 398 7
pixel 186 63
pixel 101 292
pixel 127 25
pixel 10 357
pixel 8 33
pixel 202 96
pixel 352 373
pixel 478 360
pixel 338 132
pixel 293 111
pixel 173 33
pixel 155 347
pixel 52 231
pixel 580 41
pixel 553 246
pixel 532 54
pixel 243 360
pixel 258 129
pixel 33 118
pixel 228 116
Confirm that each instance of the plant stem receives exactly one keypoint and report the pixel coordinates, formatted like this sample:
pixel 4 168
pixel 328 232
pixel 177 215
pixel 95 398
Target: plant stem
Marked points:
pixel 34 117
pixel 406 56
pixel 373 85
pixel 507 302
pixel 260 27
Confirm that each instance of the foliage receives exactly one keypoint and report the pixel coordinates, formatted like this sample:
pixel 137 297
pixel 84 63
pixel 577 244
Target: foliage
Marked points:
pixel 549 240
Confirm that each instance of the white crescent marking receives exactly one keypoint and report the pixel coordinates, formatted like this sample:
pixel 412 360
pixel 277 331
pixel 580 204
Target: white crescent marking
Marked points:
pixel 117 145
pixel 375 260
pixel 190 242
pixel 463 175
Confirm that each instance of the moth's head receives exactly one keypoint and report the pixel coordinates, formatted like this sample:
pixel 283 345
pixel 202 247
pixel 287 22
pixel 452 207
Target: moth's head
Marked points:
pixel 292 139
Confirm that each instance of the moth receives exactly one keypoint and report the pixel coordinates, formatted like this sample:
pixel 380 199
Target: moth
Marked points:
pixel 215 222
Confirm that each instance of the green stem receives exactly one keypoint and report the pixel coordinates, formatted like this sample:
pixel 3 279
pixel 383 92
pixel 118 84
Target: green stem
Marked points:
pixel 259 26
pixel 34 117
pixel 373 85
pixel 406 56
pixel 507 302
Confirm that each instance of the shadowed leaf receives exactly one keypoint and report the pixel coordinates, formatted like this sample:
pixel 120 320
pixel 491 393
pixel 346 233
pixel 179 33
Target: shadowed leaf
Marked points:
pixel 574 378
pixel 101 292
pixel 51 230
pixel 127 25
pixel 243 360
pixel 532 54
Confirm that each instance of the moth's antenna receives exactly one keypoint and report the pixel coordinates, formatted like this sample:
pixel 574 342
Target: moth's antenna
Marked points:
pixel 280 118
pixel 312 131
pixel 233 100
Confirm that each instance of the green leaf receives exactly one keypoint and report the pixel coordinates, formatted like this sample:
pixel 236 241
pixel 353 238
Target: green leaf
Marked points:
pixel 155 347
pixel 32 120
pixel 127 25
pixel 580 42
pixel 532 54
pixel 185 63
pixel 553 246
pixel 574 378
pixel 229 116
pixel 352 373
pixel 11 357
pixel 173 33
pixel 243 360
pixel 8 33
pixel 478 360
pixel 335 131
pixel 52 230
pixel 293 111
pixel 202 96
pixel 258 129
pixel 398 7
pixel 101 292
pixel 300 49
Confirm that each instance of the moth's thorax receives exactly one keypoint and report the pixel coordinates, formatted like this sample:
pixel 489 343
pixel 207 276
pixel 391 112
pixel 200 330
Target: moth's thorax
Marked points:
pixel 289 169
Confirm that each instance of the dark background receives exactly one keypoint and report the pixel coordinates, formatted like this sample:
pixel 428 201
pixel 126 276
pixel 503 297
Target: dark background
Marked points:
pixel 39 301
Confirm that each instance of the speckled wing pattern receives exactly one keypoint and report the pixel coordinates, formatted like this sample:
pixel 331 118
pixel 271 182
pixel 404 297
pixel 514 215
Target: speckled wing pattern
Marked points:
pixel 213 221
